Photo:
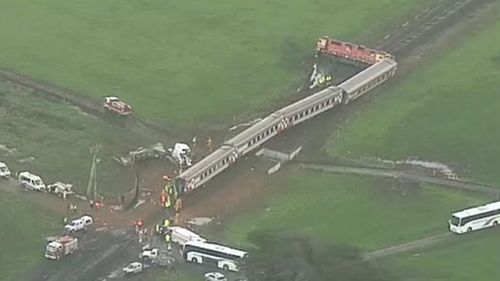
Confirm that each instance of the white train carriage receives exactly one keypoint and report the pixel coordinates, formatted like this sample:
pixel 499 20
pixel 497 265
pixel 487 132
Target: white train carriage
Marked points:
pixel 368 79
pixel 280 120
pixel 311 106
pixel 257 134
pixel 206 169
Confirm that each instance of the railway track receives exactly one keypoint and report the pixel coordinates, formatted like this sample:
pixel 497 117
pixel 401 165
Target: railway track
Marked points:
pixel 411 246
pixel 395 174
pixel 426 22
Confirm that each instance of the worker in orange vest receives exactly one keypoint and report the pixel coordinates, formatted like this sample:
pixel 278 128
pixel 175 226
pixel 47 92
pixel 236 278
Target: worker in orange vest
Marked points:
pixel 168 203
pixel 209 144
pixel 178 205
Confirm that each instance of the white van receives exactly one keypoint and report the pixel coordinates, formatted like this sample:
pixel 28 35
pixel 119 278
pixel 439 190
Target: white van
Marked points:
pixel 4 170
pixel 181 235
pixel 31 181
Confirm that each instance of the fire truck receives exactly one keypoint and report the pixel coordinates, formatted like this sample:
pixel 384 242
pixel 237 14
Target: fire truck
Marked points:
pixel 117 106
pixel 350 52
pixel 60 247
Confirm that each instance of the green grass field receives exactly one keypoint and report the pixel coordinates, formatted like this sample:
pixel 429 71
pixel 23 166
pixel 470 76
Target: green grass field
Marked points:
pixel 183 62
pixel 447 111
pixel 58 138
pixel 22 234
pixel 472 258
pixel 364 212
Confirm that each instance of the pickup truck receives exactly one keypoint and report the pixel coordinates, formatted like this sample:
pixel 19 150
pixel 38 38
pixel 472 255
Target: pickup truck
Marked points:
pixel 78 224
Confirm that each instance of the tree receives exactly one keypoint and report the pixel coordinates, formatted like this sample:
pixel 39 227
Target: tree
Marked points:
pixel 298 258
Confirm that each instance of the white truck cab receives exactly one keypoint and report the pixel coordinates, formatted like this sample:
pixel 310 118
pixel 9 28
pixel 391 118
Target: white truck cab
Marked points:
pixel 31 181
pixel 4 170
pixel 182 154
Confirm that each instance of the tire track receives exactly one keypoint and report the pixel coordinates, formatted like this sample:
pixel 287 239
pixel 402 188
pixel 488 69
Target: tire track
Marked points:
pixel 395 174
pixel 411 246
pixel 90 106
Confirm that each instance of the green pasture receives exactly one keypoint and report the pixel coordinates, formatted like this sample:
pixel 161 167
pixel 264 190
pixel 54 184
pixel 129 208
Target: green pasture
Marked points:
pixel 364 212
pixel 53 140
pixel 473 257
pixel 184 62
pixel 23 230
pixel 447 110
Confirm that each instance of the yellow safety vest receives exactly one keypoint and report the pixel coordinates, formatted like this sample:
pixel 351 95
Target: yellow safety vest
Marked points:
pixel 167 238
pixel 166 223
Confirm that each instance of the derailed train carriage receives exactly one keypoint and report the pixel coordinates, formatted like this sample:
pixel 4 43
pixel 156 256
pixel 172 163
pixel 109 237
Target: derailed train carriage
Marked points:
pixel 273 124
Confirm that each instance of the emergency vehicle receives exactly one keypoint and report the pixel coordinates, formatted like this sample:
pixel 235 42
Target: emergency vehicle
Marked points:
pixel 60 247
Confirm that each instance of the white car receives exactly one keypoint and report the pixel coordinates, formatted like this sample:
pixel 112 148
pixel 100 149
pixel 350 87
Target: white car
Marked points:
pixel 133 268
pixel 4 170
pixel 31 181
pixel 79 224
pixel 215 276
pixel 149 253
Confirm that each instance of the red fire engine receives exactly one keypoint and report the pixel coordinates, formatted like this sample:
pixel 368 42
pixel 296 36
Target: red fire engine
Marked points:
pixel 117 106
pixel 352 52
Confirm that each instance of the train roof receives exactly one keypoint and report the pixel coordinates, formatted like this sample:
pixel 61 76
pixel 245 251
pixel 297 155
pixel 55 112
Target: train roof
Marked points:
pixel 253 130
pixel 366 75
pixel 477 210
pixel 218 154
pixel 307 101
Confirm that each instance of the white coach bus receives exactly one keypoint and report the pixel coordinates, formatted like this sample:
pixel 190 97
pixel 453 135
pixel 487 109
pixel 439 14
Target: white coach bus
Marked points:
pixel 475 218
pixel 212 254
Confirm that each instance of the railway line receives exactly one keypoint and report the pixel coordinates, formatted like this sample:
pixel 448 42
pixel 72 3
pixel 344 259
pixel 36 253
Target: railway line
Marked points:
pixel 284 118
pixel 401 175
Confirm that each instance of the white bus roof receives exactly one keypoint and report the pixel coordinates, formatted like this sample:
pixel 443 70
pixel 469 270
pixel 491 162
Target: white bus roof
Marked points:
pixel 185 232
pixel 217 247
pixel 30 175
pixel 477 210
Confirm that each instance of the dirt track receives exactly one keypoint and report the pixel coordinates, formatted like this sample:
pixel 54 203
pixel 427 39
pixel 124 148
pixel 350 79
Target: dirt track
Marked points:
pixel 402 175
pixel 411 246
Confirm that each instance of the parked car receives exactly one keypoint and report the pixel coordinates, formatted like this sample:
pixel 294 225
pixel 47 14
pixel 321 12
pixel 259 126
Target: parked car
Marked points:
pixel 215 276
pixel 4 170
pixel 31 181
pixel 133 268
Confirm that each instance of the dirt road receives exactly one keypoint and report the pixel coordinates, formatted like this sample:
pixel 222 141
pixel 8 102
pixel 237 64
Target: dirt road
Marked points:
pixel 395 174
pixel 411 246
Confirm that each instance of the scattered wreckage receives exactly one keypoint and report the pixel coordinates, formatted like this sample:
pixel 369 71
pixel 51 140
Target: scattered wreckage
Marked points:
pixel 180 154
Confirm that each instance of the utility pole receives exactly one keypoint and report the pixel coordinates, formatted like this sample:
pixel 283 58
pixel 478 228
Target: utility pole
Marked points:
pixel 92 184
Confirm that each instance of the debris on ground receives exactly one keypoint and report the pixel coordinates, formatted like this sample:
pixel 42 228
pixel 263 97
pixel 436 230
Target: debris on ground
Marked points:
pixel 199 221
pixel 151 152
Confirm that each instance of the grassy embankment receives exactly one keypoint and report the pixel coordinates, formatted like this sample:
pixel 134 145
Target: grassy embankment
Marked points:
pixel 446 111
pixel 54 140
pixel 183 62
pixel 22 234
